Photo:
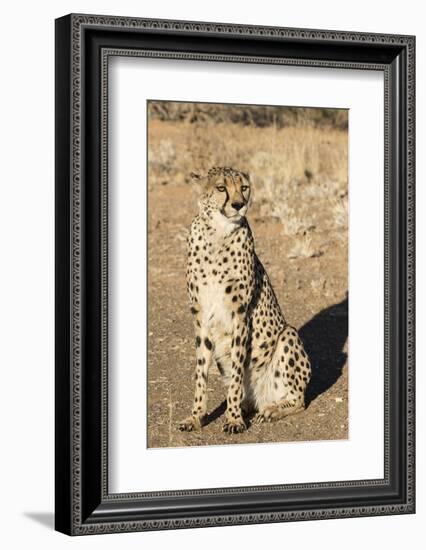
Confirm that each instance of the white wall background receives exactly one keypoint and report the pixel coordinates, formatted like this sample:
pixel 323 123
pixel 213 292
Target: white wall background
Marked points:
pixel 27 244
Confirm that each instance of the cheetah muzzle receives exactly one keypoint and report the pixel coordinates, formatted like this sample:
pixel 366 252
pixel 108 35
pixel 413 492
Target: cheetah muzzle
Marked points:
pixel 238 322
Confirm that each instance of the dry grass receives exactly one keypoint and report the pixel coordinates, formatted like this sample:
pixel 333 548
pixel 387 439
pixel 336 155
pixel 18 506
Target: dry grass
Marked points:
pixel 283 158
pixel 293 223
pixel 298 172
pixel 340 212
pixel 304 248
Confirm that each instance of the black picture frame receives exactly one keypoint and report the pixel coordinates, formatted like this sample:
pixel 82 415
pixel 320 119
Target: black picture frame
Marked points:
pixel 83 45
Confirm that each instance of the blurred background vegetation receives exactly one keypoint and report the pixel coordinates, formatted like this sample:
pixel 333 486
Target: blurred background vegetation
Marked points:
pixel 297 158
pixel 260 116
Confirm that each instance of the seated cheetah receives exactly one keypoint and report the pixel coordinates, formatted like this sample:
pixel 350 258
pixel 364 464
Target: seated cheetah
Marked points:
pixel 237 319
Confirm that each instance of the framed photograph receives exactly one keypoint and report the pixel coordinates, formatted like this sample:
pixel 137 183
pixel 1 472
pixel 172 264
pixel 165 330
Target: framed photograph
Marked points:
pixel 221 191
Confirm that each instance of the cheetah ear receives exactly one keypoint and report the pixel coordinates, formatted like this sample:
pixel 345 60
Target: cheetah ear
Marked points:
pixel 196 178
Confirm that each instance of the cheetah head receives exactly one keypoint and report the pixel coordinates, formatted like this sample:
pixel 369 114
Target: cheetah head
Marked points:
pixel 225 191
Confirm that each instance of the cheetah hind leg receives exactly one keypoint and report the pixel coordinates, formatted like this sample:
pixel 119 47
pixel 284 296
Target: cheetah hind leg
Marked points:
pixel 277 411
pixel 281 392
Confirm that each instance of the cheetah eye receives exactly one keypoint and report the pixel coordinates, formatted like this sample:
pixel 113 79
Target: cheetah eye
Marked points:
pixel 221 188
pixel 244 188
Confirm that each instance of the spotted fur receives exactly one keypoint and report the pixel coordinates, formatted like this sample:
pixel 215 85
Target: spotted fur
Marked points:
pixel 238 323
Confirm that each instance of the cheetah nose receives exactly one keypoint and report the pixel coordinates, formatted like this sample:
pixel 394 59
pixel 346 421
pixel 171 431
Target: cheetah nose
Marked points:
pixel 237 205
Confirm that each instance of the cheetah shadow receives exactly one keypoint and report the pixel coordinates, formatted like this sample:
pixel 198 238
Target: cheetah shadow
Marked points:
pixel 324 337
pixel 215 414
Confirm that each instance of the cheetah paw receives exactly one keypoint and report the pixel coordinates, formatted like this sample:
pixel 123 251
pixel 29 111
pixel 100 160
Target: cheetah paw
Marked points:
pixel 267 415
pixel 234 426
pixel 190 424
pixel 259 418
pixel 274 412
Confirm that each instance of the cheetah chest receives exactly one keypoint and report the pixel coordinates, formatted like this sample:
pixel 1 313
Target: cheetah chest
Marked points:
pixel 216 320
pixel 215 312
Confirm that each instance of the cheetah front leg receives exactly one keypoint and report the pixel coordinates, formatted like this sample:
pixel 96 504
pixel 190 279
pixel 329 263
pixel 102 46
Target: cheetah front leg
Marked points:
pixel 203 352
pixel 234 422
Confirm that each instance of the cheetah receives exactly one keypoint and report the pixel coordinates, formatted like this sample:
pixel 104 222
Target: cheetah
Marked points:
pixel 238 322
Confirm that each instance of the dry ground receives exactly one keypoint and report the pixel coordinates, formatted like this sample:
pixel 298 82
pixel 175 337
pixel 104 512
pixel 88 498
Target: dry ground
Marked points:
pixel 299 222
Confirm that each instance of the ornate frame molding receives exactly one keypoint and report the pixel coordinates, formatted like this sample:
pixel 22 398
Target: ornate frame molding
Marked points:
pixel 73 503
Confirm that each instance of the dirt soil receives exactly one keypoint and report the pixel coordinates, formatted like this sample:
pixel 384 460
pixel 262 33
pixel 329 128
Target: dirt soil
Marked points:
pixel 312 292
